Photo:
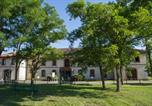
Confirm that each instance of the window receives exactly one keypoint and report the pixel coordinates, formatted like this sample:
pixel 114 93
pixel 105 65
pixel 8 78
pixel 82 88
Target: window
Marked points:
pixel 137 59
pixel 92 73
pixel 3 61
pixel 53 73
pixel 13 61
pixel 43 73
pixel 54 63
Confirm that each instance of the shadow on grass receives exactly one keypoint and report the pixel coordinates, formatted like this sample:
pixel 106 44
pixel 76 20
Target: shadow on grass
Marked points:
pixel 9 97
pixel 140 84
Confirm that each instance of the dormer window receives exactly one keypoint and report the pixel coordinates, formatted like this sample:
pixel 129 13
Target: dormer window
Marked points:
pixel 137 59
pixel 3 62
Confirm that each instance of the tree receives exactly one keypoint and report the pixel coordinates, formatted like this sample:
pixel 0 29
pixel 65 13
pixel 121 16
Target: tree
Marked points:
pixel 21 23
pixel 23 19
pixel 92 40
pixel 38 45
pixel 17 19
pixel 139 14
pixel 142 23
pixel 104 27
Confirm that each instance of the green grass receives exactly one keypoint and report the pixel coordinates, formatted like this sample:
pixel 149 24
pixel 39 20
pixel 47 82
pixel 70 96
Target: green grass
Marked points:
pixel 78 95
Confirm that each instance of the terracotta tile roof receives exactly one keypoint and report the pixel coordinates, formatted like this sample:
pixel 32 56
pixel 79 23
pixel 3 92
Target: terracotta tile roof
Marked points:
pixel 68 49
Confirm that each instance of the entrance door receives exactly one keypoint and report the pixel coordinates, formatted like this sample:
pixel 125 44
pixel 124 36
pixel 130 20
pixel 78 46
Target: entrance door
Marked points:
pixel 7 75
pixel 65 74
pixel 132 74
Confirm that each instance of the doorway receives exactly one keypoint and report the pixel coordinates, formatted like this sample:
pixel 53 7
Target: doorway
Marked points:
pixel 7 75
pixel 65 74
pixel 132 74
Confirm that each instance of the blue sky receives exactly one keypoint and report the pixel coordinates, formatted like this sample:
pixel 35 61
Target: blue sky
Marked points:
pixel 60 6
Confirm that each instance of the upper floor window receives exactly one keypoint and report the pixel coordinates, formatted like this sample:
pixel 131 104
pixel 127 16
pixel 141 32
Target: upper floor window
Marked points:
pixel 66 63
pixel 137 59
pixel 3 62
pixel 13 61
pixel 92 73
pixel 54 63
pixel 43 73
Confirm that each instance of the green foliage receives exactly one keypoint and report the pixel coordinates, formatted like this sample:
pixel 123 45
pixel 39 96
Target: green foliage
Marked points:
pixel 78 77
pixel 77 9
pixel 142 24
pixel 105 35
pixel 29 27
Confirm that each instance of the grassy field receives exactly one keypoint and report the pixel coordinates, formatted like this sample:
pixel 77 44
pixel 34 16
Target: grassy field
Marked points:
pixel 78 95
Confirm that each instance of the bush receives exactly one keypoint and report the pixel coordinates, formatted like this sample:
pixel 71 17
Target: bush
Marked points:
pixel 78 77
pixel 52 78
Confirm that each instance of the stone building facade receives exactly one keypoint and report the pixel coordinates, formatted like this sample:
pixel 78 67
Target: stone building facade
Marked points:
pixel 62 68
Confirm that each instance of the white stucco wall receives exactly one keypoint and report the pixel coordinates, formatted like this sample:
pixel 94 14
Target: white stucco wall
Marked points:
pixel 22 71
pixel 9 66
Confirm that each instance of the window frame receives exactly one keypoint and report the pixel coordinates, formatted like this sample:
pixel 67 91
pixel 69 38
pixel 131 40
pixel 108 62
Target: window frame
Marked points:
pixel 43 73
pixel 54 62
pixel 92 73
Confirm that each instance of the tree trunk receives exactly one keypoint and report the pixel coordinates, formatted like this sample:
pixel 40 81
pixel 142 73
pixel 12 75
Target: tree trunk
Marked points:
pixel 32 81
pixel 32 78
pixel 149 59
pixel 148 52
pixel 102 77
pixel 118 85
pixel 121 74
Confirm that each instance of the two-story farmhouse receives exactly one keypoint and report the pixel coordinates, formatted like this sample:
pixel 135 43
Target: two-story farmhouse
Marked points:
pixel 63 68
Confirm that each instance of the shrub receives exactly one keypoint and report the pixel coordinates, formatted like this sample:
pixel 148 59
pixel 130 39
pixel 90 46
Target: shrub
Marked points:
pixel 78 77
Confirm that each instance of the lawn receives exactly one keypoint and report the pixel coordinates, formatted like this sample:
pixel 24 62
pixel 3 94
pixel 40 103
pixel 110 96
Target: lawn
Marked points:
pixel 78 95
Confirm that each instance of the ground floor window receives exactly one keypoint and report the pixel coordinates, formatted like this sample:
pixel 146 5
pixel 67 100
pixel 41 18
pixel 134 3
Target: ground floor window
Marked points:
pixel 43 73
pixel 53 73
pixel 7 75
pixel 92 73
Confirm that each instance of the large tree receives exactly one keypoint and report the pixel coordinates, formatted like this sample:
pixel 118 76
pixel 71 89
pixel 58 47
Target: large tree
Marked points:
pixel 17 18
pixel 142 23
pixel 139 13
pixel 22 22
pixel 103 26
pixel 25 15
pixel 45 32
